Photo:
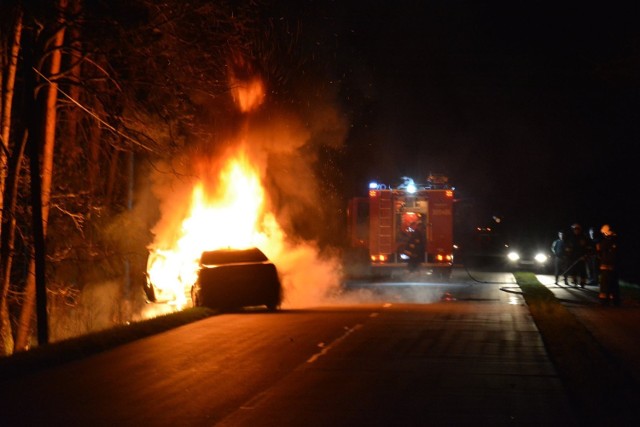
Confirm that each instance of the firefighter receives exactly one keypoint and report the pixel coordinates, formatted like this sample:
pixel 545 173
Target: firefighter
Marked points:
pixel 592 257
pixel 559 251
pixel 416 246
pixel 607 250
pixel 577 245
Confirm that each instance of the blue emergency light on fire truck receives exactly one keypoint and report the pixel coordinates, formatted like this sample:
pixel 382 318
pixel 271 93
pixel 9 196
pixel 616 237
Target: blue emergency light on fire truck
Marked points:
pixel 386 220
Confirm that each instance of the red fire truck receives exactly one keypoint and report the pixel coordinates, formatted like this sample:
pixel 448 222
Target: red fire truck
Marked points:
pixel 408 226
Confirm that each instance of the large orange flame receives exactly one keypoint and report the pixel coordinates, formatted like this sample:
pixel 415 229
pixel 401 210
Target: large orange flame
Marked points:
pixel 248 94
pixel 233 217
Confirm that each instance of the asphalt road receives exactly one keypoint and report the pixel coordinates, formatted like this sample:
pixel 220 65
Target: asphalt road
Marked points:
pixel 407 352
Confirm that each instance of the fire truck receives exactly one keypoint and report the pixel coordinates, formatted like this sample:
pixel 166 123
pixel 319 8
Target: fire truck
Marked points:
pixel 408 226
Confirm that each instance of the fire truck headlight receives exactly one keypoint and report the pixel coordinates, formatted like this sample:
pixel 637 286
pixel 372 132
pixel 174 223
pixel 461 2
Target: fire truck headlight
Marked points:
pixel 513 256
pixel 541 258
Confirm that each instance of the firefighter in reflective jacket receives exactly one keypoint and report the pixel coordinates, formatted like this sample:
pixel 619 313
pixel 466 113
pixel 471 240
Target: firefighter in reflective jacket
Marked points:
pixel 607 250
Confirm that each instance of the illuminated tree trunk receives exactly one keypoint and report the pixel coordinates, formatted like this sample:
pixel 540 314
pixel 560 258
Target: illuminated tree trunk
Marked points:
pixel 71 118
pixel 95 168
pixel 35 287
pixel 9 232
pixel 7 83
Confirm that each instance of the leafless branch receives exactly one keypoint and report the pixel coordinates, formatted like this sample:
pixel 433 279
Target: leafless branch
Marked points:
pixel 78 219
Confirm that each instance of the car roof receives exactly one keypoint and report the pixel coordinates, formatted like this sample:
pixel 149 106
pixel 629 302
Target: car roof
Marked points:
pixel 232 256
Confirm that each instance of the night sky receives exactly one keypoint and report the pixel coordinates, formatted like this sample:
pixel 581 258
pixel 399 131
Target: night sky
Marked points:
pixel 531 108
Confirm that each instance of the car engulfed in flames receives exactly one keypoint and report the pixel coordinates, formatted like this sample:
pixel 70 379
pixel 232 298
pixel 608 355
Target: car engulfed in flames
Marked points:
pixel 230 216
pixel 235 278
pixel 234 191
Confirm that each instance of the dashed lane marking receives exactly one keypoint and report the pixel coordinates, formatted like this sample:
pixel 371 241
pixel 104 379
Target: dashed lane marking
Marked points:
pixel 327 348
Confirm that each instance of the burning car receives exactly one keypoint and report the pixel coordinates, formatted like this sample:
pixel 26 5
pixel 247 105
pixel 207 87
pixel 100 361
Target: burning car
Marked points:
pixel 235 278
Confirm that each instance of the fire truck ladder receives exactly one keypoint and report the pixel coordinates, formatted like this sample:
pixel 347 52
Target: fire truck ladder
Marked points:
pixel 385 224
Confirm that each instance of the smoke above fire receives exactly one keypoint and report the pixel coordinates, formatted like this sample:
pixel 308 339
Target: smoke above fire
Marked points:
pixel 247 194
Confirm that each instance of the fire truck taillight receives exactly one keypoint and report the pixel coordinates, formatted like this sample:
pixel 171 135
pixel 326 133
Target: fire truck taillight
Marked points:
pixel 449 193
pixel 373 193
pixel 444 257
pixel 378 258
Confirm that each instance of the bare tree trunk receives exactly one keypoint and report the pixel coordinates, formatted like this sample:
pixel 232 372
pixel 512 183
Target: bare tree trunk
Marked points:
pixel 6 246
pixel 94 167
pixel 9 232
pixel 7 100
pixel 3 66
pixel 9 80
pixel 72 149
pixel 111 180
pixel 35 287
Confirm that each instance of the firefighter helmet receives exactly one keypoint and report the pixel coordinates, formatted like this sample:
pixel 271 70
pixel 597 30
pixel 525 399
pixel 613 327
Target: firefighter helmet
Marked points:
pixel 606 230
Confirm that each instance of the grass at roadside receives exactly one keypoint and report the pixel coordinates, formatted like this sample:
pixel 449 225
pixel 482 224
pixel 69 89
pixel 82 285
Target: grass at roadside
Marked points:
pixel 630 291
pixel 76 348
pixel 595 383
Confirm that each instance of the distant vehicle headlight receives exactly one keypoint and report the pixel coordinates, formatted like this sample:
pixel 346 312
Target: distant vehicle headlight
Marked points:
pixel 541 258
pixel 513 256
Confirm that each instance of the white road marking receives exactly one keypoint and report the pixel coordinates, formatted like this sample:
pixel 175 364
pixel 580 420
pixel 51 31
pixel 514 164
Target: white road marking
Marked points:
pixel 326 349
